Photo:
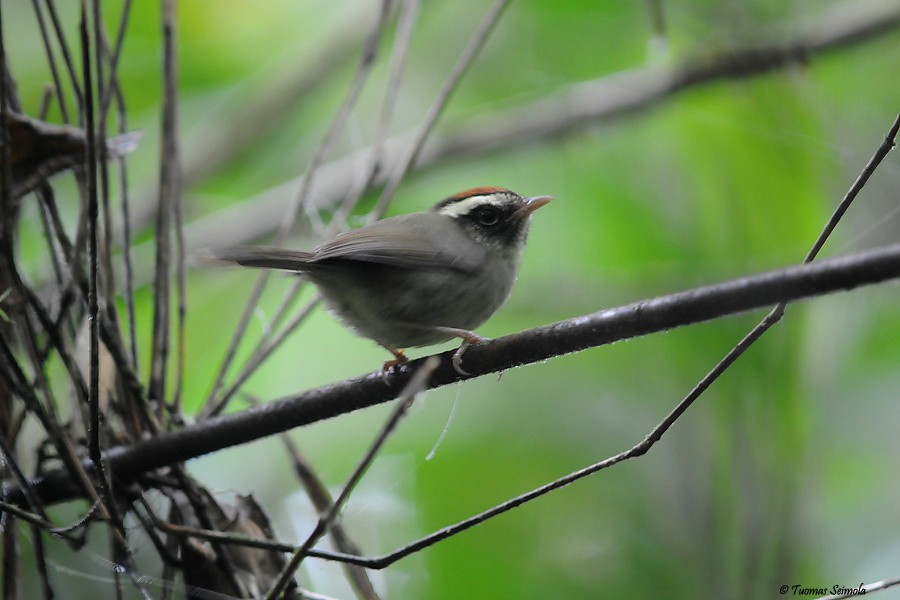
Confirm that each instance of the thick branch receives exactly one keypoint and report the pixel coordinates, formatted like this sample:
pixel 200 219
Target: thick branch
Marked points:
pixel 534 345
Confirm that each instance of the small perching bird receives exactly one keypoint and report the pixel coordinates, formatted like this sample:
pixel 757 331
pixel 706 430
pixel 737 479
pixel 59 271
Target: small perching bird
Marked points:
pixel 417 279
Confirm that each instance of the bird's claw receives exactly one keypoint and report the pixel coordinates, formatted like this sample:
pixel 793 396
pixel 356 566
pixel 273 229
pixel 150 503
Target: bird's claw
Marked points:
pixel 456 359
pixel 389 366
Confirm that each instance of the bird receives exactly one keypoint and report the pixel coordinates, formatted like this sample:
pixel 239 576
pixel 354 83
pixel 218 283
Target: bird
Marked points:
pixel 416 279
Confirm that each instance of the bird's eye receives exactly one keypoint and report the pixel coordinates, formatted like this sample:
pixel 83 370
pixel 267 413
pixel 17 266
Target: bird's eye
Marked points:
pixel 487 215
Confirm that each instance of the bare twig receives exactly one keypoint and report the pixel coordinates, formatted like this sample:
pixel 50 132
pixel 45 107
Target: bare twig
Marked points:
pixel 168 195
pixel 105 500
pixel 51 61
pixel 877 586
pixel 67 57
pixel 417 383
pixel 112 89
pixel 93 261
pixel 102 155
pixel 172 154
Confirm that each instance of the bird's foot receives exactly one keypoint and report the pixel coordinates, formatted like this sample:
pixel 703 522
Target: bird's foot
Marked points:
pixel 388 367
pixel 468 338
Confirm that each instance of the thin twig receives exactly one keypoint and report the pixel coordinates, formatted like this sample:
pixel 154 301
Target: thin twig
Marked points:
pixel 40 559
pixel 877 586
pixel 112 88
pixel 172 154
pixel 51 61
pixel 105 500
pixel 168 194
pixel 416 385
pixel 102 157
pixel 93 261
pixel 67 57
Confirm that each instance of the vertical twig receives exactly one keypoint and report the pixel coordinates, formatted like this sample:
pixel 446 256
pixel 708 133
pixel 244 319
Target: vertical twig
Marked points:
pixel 51 61
pixel 181 275
pixel 11 573
pixel 112 89
pixel 168 190
pixel 174 159
pixel 126 250
pixel 107 503
pixel 92 216
pixel 6 199
pixel 102 153
pixel 40 559
pixel 67 56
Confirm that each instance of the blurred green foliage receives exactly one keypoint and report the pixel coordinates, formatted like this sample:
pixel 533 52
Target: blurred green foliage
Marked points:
pixel 782 473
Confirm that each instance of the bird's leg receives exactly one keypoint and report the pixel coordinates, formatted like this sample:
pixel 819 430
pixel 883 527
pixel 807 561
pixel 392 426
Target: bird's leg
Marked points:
pixel 468 338
pixel 399 359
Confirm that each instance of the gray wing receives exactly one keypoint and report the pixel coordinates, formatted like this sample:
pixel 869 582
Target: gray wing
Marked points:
pixel 430 243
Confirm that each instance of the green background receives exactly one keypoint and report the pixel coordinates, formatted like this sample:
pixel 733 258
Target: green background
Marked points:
pixel 784 472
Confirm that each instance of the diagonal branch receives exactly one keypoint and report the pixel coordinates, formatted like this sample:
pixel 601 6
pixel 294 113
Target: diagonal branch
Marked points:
pixel 526 347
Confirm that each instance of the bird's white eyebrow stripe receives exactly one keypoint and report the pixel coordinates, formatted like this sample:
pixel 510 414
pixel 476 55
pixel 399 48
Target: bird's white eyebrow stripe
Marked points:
pixel 464 207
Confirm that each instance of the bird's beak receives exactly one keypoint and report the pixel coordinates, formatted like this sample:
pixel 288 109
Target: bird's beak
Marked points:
pixel 532 204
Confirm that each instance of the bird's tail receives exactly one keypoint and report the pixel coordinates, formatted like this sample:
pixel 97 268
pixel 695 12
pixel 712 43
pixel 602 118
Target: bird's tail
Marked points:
pixel 258 257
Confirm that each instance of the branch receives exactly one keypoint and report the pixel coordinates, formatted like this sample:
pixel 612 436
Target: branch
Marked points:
pixel 531 346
